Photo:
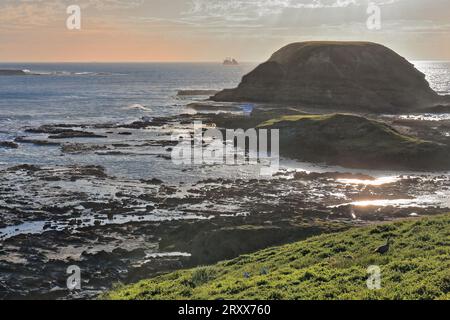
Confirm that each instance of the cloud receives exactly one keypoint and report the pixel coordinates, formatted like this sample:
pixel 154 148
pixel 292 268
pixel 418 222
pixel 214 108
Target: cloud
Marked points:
pixel 41 12
pixel 224 24
pixel 233 10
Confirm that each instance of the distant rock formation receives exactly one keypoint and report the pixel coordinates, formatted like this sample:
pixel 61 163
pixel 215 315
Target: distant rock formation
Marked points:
pixel 230 62
pixel 341 75
pixel 8 72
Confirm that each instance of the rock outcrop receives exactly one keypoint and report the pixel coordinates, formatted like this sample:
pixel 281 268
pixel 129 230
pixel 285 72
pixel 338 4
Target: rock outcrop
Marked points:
pixel 359 76
pixel 8 72
pixel 355 141
pixel 8 144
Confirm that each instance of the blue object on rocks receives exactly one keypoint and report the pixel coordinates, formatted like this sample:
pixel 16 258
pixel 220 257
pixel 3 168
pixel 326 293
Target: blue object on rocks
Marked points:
pixel 247 108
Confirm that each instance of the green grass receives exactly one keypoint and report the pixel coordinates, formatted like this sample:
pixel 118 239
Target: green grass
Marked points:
pixel 332 266
pixel 347 121
pixel 295 117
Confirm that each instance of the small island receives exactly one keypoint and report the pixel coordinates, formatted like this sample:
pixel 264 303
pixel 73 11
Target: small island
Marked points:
pixel 230 62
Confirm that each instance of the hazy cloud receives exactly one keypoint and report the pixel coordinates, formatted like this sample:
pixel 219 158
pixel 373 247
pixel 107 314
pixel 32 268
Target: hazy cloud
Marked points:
pixel 226 24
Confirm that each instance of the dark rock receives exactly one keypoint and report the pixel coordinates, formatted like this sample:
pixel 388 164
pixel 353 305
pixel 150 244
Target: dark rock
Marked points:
pixel 12 73
pixel 152 181
pixel 95 171
pixel 36 141
pixel 164 156
pixel 302 175
pixel 197 92
pixel 8 144
pixel 25 167
pixel 339 75
pixel 50 129
pixel 75 134
pixel 79 148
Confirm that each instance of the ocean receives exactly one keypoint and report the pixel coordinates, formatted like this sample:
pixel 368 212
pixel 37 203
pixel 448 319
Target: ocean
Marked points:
pixel 99 92
pixel 90 93
pixel 93 93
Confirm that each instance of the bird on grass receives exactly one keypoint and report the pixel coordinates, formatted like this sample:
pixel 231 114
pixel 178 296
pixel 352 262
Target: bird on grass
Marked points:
pixel 384 248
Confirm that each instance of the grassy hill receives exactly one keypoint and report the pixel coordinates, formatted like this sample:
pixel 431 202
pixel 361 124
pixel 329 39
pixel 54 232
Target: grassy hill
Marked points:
pixel 332 266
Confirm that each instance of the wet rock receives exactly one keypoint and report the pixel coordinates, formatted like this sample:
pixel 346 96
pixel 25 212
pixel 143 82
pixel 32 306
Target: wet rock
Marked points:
pixel 52 129
pixel 164 156
pixel 25 167
pixel 159 143
pixel 83 171
pixel 121 145
pixel 75 134
pixel 331 175
pixel 74 148
pixel 197 92
pixel 152 181
pixel 36 141
pixel 8 144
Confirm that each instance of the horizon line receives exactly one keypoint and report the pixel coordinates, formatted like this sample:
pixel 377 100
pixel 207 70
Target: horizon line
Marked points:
pixel 174 61
pixel 131 61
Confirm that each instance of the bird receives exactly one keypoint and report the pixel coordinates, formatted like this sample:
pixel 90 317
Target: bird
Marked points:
pixel 385 248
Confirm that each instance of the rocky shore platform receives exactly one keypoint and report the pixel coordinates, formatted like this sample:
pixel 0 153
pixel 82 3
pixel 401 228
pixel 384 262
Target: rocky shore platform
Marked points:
pixel 122 230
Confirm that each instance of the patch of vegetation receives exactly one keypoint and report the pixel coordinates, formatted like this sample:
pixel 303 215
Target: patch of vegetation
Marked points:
pixel 346 121
pixel 200 276
pixel 330 266
pixel 295 117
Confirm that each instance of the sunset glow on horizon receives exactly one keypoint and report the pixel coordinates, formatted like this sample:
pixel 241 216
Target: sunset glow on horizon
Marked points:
pixel 210 30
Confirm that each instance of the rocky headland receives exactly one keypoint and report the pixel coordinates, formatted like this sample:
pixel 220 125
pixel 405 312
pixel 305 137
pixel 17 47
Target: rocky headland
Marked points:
pixel 357 76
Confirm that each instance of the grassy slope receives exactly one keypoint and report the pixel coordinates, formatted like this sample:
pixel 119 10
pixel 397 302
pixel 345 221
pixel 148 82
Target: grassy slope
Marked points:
pixel 325 267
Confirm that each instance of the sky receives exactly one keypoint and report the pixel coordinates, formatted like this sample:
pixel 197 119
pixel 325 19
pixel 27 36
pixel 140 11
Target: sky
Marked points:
pixel 210 30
